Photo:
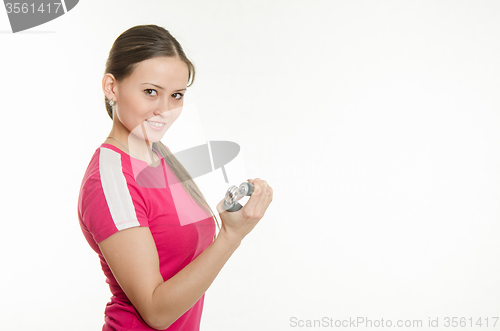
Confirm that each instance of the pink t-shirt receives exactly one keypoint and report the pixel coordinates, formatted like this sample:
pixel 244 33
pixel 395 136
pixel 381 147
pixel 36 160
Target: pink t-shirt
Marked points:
pixel 119 192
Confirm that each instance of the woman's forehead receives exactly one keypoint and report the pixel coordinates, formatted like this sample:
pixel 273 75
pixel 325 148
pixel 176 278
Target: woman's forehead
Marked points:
pixel 164 70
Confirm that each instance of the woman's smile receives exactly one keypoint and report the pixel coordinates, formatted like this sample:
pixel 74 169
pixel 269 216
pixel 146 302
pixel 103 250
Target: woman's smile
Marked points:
pixel 158 126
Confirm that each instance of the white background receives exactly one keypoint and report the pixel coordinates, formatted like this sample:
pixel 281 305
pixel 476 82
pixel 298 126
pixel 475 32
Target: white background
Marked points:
pixel 376 123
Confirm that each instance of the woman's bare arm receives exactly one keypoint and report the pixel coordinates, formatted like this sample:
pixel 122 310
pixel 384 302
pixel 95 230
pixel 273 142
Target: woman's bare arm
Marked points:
pixel 132 257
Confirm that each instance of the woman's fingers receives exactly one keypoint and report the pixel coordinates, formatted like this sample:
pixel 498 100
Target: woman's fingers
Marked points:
pixel 259 200
pixel 250 208
pixel 268 197
pixel 240 223
pixel 265 198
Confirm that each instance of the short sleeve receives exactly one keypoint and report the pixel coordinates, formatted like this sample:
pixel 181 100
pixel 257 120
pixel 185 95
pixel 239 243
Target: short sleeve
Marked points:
pixel 111 199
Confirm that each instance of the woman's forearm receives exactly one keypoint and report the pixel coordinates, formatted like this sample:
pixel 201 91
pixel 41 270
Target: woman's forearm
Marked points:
pixel 175 296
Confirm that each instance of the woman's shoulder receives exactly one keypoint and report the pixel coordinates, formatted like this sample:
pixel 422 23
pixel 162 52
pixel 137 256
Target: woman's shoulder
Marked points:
pixel 108 161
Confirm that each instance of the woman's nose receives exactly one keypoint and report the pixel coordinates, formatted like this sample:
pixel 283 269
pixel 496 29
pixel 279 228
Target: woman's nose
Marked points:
pixel 162 107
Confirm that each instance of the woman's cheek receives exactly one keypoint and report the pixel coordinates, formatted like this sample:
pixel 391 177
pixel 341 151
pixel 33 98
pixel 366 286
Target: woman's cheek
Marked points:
pixel 176 112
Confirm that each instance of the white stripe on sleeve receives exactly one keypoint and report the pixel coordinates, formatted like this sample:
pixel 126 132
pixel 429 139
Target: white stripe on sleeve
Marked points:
pixel 115 189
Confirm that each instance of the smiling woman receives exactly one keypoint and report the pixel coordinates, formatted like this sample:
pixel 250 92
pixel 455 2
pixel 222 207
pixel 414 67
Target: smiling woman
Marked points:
pixel 140 112
pixel 139 209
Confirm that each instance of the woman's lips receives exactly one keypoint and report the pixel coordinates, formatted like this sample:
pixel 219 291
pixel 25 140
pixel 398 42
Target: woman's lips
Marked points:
pixel 157 126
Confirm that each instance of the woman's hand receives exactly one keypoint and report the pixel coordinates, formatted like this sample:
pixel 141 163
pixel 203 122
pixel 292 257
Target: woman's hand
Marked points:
pixel 236 225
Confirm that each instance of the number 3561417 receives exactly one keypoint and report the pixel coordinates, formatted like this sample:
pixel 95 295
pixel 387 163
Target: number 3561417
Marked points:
pixel 16 7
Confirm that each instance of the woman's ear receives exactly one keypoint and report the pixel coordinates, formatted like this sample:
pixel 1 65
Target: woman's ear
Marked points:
pixel 108 85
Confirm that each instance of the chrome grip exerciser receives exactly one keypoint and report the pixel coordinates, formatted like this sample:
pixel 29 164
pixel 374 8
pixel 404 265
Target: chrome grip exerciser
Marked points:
pixel 234 194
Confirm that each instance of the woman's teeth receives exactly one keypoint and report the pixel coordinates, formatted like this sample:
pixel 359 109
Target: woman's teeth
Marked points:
pixel 157 124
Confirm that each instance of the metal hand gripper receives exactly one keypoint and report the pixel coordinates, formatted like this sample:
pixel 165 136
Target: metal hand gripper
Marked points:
pixel 234 194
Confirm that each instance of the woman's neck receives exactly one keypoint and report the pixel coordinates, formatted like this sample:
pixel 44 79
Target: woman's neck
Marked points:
pixel 134 146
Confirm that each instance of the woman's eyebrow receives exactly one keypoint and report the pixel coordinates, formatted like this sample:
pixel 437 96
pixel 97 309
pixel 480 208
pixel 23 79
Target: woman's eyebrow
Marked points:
pixel 158 86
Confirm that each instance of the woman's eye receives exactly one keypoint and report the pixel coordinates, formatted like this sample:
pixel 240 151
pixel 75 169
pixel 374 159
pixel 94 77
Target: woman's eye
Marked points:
pixel 178 96
pixel 149 91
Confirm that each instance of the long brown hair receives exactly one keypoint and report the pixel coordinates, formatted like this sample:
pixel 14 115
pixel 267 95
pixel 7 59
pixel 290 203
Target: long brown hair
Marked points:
pixel 140 43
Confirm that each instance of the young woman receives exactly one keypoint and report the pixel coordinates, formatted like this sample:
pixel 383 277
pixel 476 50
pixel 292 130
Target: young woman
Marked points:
pixel 139 209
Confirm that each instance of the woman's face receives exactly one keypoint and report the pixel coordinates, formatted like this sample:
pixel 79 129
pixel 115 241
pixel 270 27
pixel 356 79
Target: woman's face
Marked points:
pixel 151 98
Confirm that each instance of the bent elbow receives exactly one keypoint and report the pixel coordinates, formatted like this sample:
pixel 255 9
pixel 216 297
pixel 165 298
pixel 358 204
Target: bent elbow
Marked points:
pixel 159 322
